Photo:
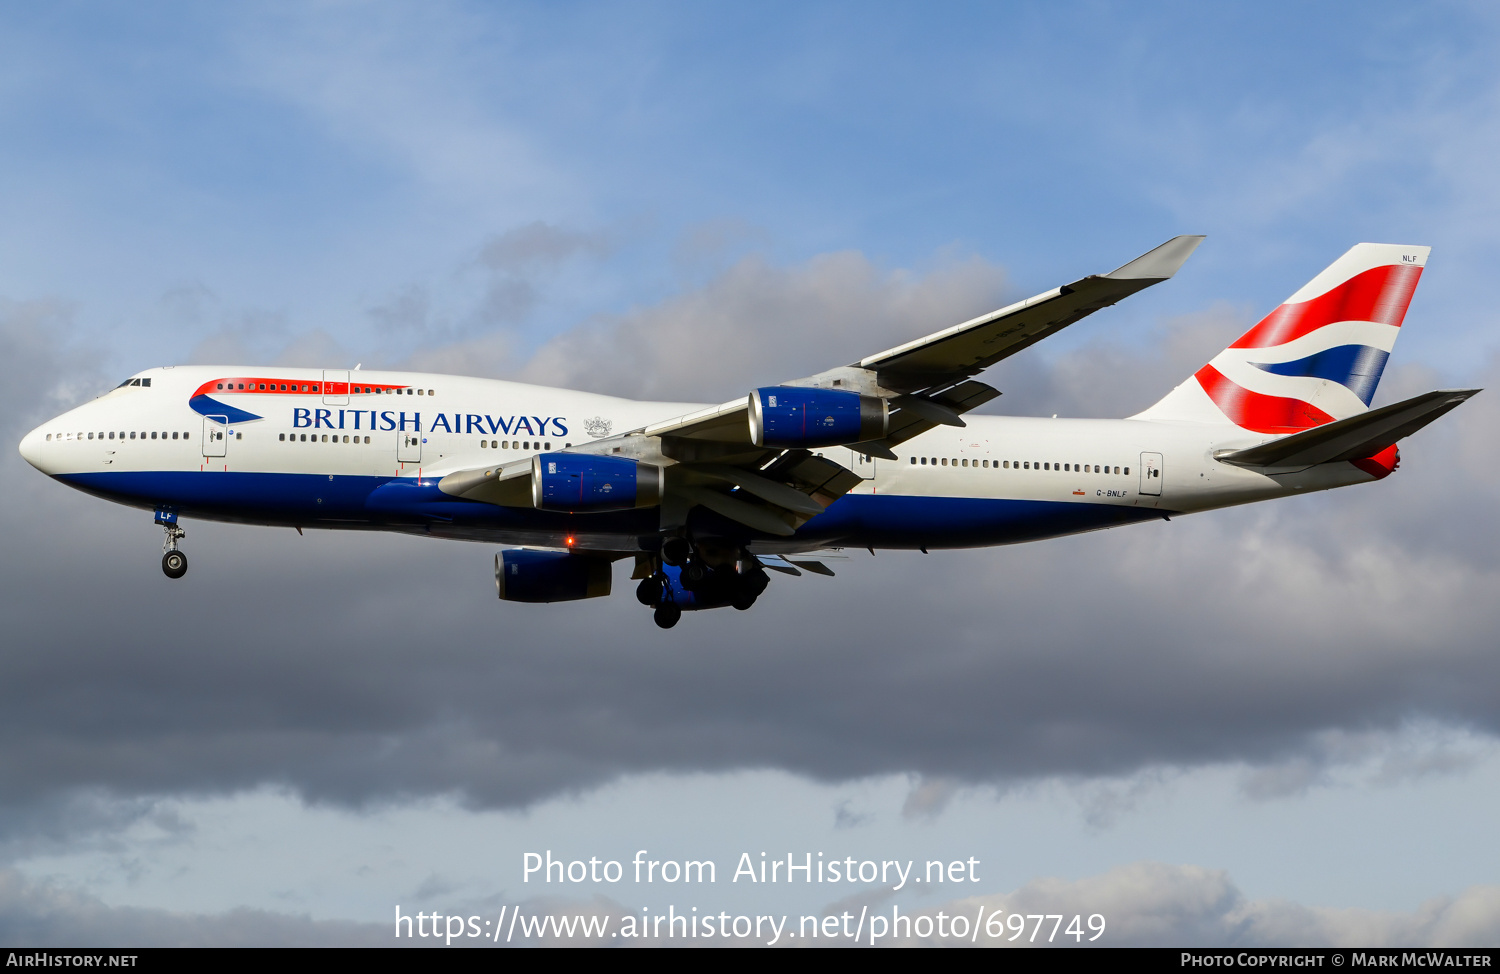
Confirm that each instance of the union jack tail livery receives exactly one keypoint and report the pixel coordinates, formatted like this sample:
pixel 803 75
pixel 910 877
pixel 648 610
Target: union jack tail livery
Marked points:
pixel 1315 359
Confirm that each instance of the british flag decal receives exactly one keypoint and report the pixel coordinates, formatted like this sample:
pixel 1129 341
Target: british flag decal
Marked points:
pixel 1316 358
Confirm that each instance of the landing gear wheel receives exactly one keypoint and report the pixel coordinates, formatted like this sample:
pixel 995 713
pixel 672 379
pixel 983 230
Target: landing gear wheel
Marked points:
pixel 694 573
pixel 174 564
pixel 667 615
pixel 650 590
pixel 744 602
pixel 675 551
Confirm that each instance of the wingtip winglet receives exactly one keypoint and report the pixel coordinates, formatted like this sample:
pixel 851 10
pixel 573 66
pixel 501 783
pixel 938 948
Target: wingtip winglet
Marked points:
pixel 1162 262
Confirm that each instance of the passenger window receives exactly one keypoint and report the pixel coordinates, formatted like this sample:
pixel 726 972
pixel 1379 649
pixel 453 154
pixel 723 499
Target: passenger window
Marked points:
pixel 132 434
pixel 367 439
pixel 239 436
pixel 549 446
pixel 429 392
pixel 1127 471
pixel 282 437
pixel 419 392
pixel 221 385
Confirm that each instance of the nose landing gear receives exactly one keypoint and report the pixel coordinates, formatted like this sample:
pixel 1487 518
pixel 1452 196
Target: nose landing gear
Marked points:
pixel 173 562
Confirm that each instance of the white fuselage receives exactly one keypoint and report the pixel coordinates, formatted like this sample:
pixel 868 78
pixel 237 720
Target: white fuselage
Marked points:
pixel 182 444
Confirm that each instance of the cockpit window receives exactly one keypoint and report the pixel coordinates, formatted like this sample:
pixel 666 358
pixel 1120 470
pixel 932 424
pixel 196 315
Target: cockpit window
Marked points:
pixel 134 382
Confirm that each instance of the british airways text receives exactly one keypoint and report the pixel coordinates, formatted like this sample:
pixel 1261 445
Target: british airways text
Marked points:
pixel 388 419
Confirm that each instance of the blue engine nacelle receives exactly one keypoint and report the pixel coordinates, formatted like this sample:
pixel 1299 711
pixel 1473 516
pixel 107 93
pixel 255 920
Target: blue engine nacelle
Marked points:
pixel 570 482
pixel 549 576
pixel 791 416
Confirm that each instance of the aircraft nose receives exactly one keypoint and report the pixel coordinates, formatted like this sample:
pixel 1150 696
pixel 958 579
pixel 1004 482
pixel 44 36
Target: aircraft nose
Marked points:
pixel 31 449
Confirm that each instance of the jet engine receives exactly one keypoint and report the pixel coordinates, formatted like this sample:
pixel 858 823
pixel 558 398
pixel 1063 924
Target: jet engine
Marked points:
pixel 569 482
pixel 549 576
pixel 792 416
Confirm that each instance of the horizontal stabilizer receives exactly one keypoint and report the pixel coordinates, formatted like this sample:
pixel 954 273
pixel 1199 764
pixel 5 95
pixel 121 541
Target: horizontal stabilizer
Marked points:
pixel 1354 438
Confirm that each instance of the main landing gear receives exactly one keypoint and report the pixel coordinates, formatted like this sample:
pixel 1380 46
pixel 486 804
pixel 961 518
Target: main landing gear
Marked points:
pixel 173 561
pixel 689 576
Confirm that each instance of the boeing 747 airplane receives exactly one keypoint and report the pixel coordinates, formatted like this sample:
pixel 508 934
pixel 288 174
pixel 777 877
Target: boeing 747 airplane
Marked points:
pixel 702 500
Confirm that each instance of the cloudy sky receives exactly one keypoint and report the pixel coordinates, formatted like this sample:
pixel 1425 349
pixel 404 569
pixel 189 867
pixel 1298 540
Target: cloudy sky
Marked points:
pixel 1269 725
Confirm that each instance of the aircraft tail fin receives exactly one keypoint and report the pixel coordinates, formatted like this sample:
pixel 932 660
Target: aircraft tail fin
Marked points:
pixel 1317 358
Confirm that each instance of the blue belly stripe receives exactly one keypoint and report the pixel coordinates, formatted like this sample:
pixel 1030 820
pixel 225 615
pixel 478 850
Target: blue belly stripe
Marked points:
pixel 856 520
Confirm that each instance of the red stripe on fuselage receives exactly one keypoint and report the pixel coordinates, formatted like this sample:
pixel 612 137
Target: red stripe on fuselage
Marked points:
pixel 1380 294
pixel 1255 411
pixel 265 386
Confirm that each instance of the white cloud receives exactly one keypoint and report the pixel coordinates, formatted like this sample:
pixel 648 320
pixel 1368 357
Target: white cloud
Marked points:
pixel 1152 904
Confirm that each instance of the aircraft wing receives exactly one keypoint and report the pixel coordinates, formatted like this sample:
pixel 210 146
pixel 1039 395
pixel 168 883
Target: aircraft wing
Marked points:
pixel 943 359
pixel 975 345
pixel 715 460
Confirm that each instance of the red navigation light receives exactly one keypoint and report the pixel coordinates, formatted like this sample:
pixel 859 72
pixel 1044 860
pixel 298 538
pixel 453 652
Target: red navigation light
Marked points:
pixel 569 541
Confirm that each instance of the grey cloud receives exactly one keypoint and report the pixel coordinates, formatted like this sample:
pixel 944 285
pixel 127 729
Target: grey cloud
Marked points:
pixel 477 335
pixel 760 324
pixel 515 260
pixel 540 244
pixel 928 797
pixel 704 245
pixel 845 817
pixel 361 668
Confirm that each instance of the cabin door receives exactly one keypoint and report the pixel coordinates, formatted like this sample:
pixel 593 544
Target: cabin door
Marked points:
pixel 215 436
pixel 862 464
pixel 409 446
pixel 1151 474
